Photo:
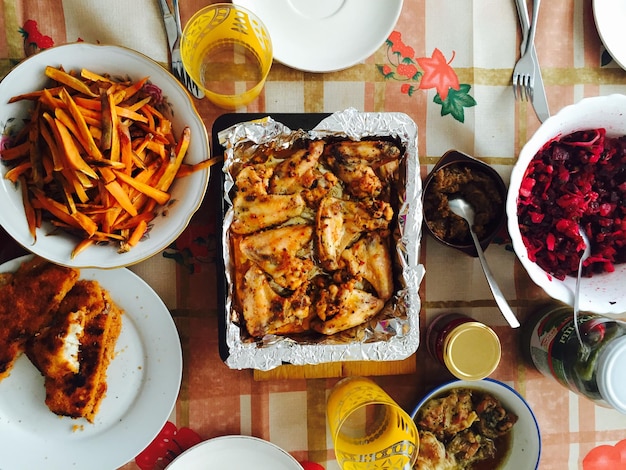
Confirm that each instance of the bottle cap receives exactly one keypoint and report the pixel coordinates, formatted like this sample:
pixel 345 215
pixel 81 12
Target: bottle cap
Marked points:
pixel 612 374
pixel 471 351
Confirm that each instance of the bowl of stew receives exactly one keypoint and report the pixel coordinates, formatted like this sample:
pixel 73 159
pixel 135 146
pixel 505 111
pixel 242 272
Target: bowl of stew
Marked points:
pixel 479 424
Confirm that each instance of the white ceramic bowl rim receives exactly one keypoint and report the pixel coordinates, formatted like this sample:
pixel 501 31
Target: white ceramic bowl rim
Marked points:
pixel 187 193
pixel 602 293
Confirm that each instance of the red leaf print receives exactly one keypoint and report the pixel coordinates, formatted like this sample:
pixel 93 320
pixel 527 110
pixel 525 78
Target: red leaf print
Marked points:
pixel 438 74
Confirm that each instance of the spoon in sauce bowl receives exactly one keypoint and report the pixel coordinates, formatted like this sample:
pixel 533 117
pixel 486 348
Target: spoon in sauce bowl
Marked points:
pixel 464 210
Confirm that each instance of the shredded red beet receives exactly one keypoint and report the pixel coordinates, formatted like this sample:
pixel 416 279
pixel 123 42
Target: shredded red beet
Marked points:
pixel 580 178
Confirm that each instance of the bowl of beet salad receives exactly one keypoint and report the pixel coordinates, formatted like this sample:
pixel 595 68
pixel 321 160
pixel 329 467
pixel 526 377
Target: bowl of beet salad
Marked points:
pixel 571 174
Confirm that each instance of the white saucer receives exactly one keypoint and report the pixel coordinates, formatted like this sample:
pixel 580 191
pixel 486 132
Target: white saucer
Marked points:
pixel 325 35
pixel 610 16
pixel 235 453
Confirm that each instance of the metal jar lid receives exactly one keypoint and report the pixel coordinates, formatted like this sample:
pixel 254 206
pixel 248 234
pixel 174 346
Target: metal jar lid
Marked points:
pixel 612 374
pixel 471 351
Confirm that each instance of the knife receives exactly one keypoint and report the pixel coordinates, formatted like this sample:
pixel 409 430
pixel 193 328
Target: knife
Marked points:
pixel 173 31
pixel 539 100
pixel 170 24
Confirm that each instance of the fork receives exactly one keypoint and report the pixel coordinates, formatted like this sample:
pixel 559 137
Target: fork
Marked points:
pixel 524 72
pixel 174 33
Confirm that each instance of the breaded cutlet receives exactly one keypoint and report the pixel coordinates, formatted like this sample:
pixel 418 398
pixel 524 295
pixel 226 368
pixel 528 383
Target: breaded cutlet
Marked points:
pixel 74 353
pixel 28 301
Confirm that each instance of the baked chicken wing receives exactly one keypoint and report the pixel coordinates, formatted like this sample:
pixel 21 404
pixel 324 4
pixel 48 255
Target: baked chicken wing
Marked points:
pixel 254 208
pixel 355 163
pixel 297 172
pixel 275 251
pixel 343 306
pixel 340 222
pixel 369 258
pixel 266 312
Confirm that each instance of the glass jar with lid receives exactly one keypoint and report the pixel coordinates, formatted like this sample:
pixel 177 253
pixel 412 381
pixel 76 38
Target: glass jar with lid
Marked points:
pixel 469 349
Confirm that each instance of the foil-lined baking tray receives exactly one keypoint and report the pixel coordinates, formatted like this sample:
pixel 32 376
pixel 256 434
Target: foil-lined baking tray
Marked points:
pixel 394 333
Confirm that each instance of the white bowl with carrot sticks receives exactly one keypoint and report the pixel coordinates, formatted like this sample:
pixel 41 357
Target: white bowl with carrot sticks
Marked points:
pixel 103 156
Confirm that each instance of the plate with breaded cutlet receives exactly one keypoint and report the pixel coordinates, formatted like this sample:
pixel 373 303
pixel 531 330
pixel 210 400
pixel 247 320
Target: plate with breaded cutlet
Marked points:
pixel 90 365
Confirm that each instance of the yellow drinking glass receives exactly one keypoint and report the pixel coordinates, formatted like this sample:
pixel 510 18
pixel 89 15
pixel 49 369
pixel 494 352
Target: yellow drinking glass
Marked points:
pixel 227 51
pixel 369 430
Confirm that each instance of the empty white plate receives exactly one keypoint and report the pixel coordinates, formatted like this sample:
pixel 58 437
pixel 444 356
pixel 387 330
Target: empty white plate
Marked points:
pixel 325 35
pixel 610 16
pixel 235 453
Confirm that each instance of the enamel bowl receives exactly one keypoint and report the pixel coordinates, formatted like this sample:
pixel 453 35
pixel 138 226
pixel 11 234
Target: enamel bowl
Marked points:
pixel 432 199
pixel 524 448
pixel 602 293
pixel 186 193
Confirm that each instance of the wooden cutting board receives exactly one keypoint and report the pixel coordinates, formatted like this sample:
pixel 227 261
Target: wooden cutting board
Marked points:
pixel 339 369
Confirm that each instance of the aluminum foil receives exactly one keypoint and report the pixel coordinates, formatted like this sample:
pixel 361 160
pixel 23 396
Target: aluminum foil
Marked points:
pixel 394 333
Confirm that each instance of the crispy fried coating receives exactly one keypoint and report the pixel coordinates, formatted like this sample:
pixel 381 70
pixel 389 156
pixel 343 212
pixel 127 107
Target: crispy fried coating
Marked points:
pixel 78 393
pixel 28 302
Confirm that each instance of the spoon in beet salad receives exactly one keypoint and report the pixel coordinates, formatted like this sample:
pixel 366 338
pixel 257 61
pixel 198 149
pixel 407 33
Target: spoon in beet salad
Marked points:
pixel 584 348
pixel 464 210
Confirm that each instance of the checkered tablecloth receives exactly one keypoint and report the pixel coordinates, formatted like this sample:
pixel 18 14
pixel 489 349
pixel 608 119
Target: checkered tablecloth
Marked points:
pixel 463 50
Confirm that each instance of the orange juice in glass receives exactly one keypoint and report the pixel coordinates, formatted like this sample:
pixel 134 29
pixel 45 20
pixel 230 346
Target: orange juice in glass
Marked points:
pixel 369 430
pixel 227 51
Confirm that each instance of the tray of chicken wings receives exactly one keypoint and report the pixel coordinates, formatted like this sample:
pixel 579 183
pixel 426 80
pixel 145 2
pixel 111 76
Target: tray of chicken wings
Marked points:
pixel 320 240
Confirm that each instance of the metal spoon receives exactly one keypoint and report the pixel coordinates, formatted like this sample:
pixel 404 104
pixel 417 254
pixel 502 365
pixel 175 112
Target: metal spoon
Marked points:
pixel 461 208
pixel 584 349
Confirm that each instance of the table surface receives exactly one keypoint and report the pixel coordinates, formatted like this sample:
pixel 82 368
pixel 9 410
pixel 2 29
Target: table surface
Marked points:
pixel 465 49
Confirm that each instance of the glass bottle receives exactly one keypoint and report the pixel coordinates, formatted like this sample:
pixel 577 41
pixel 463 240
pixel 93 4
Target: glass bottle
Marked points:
pixel 596 369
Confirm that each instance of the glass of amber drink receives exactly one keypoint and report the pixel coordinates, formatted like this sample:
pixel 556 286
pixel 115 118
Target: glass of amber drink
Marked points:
pixel 369 429
pixel 227 51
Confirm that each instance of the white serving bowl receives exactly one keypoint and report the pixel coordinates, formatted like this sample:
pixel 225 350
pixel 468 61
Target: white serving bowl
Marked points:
pixel 525 449
pixel 602 293
pixel 186 193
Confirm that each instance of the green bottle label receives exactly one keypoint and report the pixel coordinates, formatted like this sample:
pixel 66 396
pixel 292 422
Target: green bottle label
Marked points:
pixel 554 345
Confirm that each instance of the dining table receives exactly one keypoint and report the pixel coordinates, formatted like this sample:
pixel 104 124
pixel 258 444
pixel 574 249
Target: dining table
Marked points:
pixel 448 65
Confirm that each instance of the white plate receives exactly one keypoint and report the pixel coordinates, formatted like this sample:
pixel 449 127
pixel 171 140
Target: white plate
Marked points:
pixel 610 16
pixel 187 192
pixel 143 384
pixel 235 453
pixel 325 35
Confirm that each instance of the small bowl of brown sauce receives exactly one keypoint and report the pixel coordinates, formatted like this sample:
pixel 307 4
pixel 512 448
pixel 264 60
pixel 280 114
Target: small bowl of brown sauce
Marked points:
pixel 457 175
